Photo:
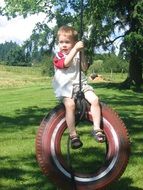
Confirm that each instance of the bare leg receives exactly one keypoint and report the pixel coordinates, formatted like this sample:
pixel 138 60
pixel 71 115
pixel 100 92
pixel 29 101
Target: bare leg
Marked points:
pixel 96 116
pixel 70 119
pixel 70 115
pixel 95 108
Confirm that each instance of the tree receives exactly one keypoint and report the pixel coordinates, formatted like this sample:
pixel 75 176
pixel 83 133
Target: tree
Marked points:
pixel 11 53
pixel 101 21
pixel 43 36
pixel 16 56
pixel 106 17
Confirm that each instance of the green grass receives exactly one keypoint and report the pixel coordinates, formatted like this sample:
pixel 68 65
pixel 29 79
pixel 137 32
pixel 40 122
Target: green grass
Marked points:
pixel 25 98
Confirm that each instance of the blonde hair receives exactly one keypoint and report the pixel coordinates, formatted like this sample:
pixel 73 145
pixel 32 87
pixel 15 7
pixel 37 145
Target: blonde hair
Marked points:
pixel 68 31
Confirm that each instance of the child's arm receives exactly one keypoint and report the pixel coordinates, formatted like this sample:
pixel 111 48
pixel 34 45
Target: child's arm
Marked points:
pixel 78 46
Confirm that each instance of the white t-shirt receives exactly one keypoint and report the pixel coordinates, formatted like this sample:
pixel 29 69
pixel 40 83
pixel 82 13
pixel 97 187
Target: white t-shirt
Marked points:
pixel 65 78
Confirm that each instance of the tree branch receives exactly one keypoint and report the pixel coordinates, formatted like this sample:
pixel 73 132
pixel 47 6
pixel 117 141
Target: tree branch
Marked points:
pixel 112 41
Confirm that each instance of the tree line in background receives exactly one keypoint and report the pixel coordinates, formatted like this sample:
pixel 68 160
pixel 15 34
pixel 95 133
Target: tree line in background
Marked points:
pixel 104 22
pixel 15 55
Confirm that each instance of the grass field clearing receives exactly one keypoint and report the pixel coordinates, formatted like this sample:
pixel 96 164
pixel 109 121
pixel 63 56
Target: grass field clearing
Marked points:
pixel 25 98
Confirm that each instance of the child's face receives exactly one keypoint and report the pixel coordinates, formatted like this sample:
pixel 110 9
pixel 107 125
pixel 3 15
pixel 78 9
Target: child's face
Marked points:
pixel 66 43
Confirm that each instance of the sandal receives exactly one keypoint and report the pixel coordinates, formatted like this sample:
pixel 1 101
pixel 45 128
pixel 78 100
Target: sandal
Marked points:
pixel 75 142
pixel 99 135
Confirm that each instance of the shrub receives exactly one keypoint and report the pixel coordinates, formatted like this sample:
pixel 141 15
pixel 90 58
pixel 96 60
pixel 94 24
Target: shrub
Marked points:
pixel 96 67
pixel 115 64
pixel 47 65
pixel 109 63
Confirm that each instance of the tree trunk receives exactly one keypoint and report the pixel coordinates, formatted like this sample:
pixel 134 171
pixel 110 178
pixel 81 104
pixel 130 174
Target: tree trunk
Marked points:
pixel 134 46
pixel 135 70
pixel 135 73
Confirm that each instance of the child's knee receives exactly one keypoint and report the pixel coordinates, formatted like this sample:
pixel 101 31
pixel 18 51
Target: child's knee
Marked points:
pixel 70 104
pixel 95 101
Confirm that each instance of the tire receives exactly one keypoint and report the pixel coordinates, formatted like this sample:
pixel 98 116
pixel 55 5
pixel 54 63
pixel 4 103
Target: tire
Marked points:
pixel 52 163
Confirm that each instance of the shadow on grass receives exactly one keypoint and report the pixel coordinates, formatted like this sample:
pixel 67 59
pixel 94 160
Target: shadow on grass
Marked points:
pixel 23 179
pixel 127 103
pixel 124 183
pixel 31 178
pixel 27 117
pixel 125 98
pixel 31 116
pixel 115 86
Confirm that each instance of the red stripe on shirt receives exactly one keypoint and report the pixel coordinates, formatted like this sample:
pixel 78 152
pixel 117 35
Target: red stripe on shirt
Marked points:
pixel 59 60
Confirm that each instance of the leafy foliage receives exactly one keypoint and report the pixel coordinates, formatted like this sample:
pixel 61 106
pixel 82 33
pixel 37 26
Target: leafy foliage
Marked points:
pixel 108 63
pixel 11 53
pixel 104 22
pixel 47 65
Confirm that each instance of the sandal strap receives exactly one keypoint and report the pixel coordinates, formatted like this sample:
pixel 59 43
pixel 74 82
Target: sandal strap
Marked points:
pixel 74 136
pixel 98 130
pixel 99 133
pixel 75 142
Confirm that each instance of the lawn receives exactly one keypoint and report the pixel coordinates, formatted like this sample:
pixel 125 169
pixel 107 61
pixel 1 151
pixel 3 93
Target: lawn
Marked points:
pixel 25 97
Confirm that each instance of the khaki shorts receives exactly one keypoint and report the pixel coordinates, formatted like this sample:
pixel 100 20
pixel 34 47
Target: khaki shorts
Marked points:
pixel 85 88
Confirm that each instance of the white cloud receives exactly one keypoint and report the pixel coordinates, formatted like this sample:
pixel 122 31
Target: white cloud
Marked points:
pixel 2 3
pixel 18 29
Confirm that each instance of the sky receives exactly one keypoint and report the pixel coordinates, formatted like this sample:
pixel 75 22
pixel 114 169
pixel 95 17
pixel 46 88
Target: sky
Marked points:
pixel 18 29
